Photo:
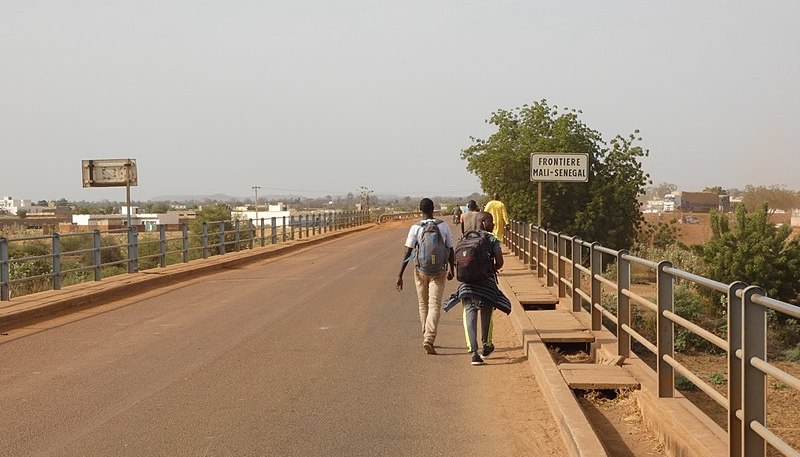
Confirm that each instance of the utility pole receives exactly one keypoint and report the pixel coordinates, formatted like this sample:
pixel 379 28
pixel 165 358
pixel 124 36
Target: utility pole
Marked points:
pixel 255 188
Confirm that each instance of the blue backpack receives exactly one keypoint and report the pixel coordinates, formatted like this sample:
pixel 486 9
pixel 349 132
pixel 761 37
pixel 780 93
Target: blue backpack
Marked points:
pixel 432 252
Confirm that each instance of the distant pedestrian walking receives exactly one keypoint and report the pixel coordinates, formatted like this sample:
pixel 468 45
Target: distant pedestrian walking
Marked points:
pixel 469 220
pixel 498 211
pixel 457 215
pixel 478 258
pixel 431 244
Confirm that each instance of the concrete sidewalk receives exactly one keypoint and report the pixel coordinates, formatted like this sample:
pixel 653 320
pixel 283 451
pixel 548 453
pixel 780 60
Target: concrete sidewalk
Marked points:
pixel 29 309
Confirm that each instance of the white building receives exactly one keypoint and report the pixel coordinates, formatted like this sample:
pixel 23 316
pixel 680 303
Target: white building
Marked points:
pixel 12 206
pixel 653 206
pixel 278 211
pixel 150 222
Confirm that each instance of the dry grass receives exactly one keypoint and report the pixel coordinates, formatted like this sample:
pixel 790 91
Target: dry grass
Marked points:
pixel 621 410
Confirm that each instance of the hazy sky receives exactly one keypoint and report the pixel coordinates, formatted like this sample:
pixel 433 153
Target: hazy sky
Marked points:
pixel 322 97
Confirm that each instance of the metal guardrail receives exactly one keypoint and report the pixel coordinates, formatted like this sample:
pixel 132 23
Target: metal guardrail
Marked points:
pixel 560 261
pixel 38 263
pixel 402 216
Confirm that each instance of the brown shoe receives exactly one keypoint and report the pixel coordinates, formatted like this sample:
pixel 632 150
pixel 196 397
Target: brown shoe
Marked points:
pixel 429 348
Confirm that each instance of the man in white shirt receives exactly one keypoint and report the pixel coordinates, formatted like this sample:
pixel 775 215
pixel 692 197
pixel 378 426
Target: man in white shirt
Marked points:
pixel 430 271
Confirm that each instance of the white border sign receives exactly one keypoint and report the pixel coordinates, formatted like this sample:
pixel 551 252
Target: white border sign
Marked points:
pixel 557 167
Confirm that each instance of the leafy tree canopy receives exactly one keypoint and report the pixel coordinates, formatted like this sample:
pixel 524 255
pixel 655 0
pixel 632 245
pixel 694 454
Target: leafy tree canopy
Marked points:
pixel 715 190
pixel 754 251
pixel 658 191
pixel 604 209
pixel 777 197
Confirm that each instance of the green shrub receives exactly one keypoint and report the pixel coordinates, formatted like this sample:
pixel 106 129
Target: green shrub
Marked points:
pixel 717 378
pixel 792 354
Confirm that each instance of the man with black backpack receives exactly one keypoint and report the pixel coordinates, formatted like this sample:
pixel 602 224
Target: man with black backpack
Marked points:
pixel 431 244
pixel 478 258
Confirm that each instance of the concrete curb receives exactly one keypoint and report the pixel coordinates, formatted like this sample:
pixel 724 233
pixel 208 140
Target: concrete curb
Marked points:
pixel 31 308
pixel 577 433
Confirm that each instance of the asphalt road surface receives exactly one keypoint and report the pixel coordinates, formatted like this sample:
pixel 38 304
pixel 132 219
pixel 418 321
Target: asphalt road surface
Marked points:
pixel 310 354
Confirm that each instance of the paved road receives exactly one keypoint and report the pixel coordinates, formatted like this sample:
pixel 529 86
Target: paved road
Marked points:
pixel 311 354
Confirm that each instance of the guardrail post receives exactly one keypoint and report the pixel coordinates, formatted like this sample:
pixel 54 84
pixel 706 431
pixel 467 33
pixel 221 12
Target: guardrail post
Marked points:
pixel 577 259
pixel 222 238
pixel 515 236
pixel 97 247
pixel 162 235
pixel 541 249
pixel 5 291
pixel 530 243
pixel 56 238
pixel 754 381
pixel 561 249
pixel 283 228
pixel 204 240
pixel 596 261
pixel 291 227
pixel 623 304
pixel 185 238
pixel 300 227
pixel 133 250
pixel 549 246
pixel 665 329
pixel 236 235
pixel 273 231
pixel 735 392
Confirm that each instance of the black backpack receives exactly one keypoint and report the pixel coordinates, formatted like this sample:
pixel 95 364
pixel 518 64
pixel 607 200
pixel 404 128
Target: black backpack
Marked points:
pixel 474 260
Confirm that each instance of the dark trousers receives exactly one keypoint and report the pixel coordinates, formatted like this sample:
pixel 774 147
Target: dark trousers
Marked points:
pixel 473 307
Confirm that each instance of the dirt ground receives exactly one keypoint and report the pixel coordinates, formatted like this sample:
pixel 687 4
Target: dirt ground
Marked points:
pixel 783 402
pixel 690 233
pixel 694 233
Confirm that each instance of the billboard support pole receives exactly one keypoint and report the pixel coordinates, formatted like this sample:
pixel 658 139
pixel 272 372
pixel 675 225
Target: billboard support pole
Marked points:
pixel 128 190
pixel 539 204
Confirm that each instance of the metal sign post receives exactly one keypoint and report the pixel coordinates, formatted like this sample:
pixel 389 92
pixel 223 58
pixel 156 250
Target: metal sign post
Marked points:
pixel 557 167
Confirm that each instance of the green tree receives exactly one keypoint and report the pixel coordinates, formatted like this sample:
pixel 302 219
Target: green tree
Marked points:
pixel 715 190
pixel 659 190
pixel 659 235
pixel 604 209
pixel 776 196
pixel 754 251
pixel 22 213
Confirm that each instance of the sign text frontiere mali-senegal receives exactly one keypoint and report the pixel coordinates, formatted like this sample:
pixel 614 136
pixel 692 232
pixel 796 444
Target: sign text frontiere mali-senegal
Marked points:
pixel 559 167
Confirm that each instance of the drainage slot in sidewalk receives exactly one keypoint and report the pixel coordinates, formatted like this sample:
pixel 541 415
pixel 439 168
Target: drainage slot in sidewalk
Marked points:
pixel 570 352
pixel 617 422
pixel 538 306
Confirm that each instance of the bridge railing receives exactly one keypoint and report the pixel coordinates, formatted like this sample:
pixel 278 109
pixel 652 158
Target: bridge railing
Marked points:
pixel 575 267
pixel 37 263
pixel 399 216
